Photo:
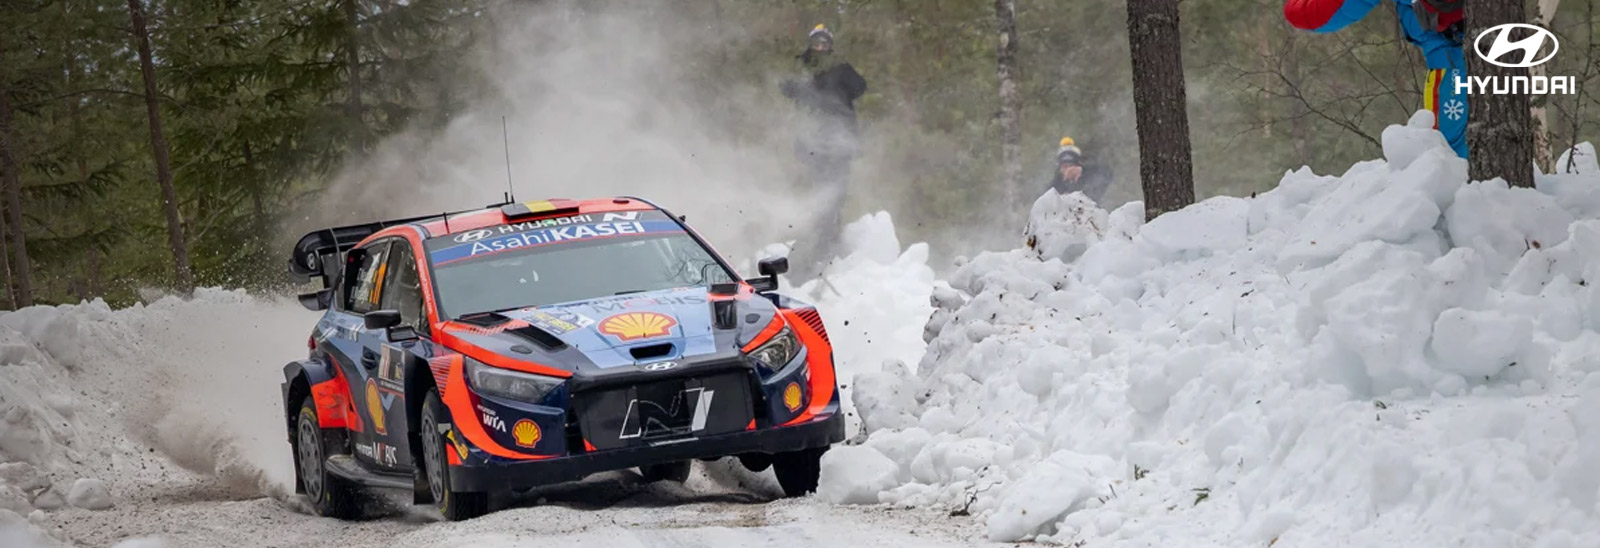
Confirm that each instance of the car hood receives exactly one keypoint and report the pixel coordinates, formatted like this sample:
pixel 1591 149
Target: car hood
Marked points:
pixel 626 330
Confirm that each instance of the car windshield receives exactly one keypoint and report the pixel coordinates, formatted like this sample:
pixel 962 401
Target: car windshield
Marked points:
pixel 563 260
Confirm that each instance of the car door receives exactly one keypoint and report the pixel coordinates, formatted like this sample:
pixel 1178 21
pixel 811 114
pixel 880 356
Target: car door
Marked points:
pixel 361 349
pixel 401 291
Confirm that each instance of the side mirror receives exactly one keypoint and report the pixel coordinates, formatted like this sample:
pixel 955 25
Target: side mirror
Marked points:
pixel 318 300
pixel 773 266
pixel 769 268
pixel 382 319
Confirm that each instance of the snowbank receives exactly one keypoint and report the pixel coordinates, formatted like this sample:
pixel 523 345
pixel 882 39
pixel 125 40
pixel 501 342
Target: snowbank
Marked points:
pixel 1391 357
pixel 97 404
pixel 874 302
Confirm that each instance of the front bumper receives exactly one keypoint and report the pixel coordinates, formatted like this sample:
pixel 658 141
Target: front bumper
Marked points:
pixel 501 475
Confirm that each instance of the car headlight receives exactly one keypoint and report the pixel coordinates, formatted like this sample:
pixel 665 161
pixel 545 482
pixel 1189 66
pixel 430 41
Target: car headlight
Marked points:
pixel 508 384
pixel 777 352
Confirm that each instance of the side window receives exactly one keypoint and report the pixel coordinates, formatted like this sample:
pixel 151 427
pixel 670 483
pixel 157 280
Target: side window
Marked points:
pixel 403 290
pixel 367 285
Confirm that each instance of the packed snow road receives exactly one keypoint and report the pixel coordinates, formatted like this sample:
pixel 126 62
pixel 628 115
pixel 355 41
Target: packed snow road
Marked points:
pixel 613 509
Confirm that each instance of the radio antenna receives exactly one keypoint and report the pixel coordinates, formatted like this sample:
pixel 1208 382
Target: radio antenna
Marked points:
pixel 505 138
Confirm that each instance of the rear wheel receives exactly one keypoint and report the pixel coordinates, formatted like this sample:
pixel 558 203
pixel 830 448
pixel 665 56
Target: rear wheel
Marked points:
pixel 330 495
pixel 798 471
pixel 454 505
pixel 671 471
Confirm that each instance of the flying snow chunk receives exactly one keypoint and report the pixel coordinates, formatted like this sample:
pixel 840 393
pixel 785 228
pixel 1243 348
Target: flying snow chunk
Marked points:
pixel 89 494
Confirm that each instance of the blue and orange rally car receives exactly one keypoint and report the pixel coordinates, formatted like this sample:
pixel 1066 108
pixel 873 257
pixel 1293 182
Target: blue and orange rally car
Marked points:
pixel 474 353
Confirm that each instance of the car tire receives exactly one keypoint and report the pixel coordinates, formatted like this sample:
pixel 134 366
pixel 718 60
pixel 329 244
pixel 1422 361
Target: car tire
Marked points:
pixel 454 505
pixel 798 471
pixel 331 496
pixel 671 471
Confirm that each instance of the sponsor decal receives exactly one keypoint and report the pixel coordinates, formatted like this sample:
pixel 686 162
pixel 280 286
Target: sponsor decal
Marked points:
pixel 630 326
pixel 525 433
pixel 791 397
pixel 513 228
pixel 381 452
pixel 492 420
pixel 375 407
pixel 1512 45
pixel 660 366
pixel 520 236
pixel 621 216
pixel 365 450
pixel 615 304
pixel 558 321
pixel 461 448
pixel 645 417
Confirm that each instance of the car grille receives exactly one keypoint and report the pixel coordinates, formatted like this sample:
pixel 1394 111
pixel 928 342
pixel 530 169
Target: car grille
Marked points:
pixel 657 411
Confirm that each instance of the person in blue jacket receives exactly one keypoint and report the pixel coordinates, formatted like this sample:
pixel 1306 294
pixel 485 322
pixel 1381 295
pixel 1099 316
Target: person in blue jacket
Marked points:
pixel 1432 25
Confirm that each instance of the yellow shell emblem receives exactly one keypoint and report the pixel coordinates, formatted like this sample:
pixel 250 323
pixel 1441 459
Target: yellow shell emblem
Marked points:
pixel 375 407
pixel 791 397
pixel 525 432
pixel 637 325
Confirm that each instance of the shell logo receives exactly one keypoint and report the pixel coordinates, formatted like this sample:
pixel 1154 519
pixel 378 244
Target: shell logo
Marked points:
pixel 375 407
pixel 525 433
pixel 630 326
pixel 791 397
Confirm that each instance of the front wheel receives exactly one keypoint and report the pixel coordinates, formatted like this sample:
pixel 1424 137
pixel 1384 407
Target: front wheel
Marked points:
pixel 454 505
pixel 330 495
pixel 798 471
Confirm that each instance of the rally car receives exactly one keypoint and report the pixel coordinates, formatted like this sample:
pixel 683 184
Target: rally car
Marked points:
pixel 470 354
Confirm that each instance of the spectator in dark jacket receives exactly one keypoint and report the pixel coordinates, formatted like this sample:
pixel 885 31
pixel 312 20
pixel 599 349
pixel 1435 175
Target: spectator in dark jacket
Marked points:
pixel 828 139
pixel 1075 173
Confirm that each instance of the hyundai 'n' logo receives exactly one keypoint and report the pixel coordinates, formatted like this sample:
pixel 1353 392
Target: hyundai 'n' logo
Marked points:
pixel 474 235
pixel 1504 44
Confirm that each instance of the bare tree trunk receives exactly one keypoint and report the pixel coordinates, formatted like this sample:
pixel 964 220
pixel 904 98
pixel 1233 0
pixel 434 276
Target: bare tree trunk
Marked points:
pixel 1499 130
pixel 183 276
pixel 1005 12
pixel 1160 106
pixel 352 60
pixel 5 262
pixel 20 269
pixel 1541 120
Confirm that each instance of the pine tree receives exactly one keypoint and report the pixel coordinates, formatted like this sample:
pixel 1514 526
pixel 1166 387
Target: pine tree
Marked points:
pixel 1160 105
pixel 1500 129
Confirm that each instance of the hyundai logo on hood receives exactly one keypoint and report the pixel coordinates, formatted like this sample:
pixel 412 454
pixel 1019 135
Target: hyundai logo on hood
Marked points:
pixel 659 366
